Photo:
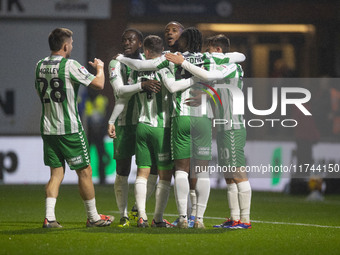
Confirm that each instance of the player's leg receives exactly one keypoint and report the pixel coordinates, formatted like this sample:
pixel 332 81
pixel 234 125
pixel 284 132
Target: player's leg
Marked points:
pixel 152 180
pixel 162 197
pixel 180 135
pixel 201 146
pixel 53 158
pixel 87 193
pixel 193 200
pixel 123 150
pixel 237 140
pixel 161 145
pixel 140 194
pixel 144 162
pixel 52 191
pixel 75 149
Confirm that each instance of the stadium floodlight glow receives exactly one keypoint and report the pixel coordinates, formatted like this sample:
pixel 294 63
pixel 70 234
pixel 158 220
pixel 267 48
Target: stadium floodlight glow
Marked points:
pixel 257 28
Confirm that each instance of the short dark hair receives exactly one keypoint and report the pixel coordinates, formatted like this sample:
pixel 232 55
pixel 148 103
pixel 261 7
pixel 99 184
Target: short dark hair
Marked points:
pixel 57 38
pixel 193 39
pixel 136 31
pixel 219 40
pixel 175 23
pixel 154 44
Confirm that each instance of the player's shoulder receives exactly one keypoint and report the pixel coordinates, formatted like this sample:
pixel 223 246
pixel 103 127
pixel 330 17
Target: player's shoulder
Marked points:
pixel 113 62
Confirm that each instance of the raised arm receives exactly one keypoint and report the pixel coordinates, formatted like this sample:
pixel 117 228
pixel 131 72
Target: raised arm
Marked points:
pixel 235 57
pixel 172 85
pixel 141 65
pixel 200 73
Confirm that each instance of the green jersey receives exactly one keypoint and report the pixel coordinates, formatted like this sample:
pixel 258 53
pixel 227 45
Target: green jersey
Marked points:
pixel 180 108
pixel 154 108
pixel 233 79
pixel 57 82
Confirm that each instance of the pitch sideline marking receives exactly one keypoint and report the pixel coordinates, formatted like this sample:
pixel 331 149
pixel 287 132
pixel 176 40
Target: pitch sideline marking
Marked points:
pixel 264 222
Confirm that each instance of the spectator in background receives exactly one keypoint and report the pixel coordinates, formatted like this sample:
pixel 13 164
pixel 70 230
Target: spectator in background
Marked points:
pixel 96 112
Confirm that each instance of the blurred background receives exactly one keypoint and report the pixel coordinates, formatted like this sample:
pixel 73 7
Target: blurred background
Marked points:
pixel 281 39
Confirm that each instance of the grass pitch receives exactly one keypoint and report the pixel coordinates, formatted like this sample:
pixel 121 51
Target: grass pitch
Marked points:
pixel 281 224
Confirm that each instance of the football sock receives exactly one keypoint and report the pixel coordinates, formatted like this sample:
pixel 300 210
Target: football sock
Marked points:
pixel 121 188
pixel 233 202
pixel 162 196
pixel 50 206
pixel 244 196
pixel 151 185
pixel 91 210
pixel 182 191
pixel 202 193
pixel 193 200
pixel 140 195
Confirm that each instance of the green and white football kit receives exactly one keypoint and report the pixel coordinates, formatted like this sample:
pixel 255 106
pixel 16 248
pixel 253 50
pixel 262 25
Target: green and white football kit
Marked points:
pixel 231 137
pixel 57 82
pixel 121 78
pixel 181 143
pixel 153 129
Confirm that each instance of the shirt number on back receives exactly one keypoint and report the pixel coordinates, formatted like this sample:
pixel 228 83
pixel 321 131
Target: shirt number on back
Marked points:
pixel 57 93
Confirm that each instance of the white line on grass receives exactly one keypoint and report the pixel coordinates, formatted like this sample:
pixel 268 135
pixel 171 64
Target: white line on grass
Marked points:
pixel 265 222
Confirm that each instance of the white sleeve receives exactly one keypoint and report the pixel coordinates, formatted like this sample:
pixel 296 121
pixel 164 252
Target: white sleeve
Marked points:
pixel 116 81
pixel 118 109
pixel 172 85
pixel 235 57
pixel 201 73
pixel 138 64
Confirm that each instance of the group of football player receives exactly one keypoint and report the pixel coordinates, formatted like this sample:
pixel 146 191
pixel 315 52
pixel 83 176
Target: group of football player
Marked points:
pixel 162 116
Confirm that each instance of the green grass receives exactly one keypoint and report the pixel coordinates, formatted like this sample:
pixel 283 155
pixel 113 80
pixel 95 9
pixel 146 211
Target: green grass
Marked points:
pixel 22 213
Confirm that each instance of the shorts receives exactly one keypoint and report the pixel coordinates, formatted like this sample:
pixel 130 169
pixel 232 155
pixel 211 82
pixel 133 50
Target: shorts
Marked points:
pixel 153 146
pixel 191 137
pixel 72 148
pixel 230 146
pixel 125 143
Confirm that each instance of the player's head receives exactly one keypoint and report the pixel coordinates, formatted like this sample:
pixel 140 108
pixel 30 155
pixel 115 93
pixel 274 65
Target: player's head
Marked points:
pixel 153 46
pixel 60 39
pixel 172 32
pixel 190 40
pixel 132 40
pixel 217 43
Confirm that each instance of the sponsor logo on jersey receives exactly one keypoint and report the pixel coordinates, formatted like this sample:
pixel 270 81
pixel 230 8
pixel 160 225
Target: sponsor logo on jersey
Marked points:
pixel 75 160
pixel 83 70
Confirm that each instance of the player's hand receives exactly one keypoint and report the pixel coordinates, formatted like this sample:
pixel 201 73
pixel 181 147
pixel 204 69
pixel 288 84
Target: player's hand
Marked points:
pixel 115 56
pixel 97 63
pixel 176 59
pixel 196 100
pixel 111 131
pixel 151 86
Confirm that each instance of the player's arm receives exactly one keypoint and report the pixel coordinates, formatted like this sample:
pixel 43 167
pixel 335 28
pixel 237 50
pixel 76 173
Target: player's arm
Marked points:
pixel 235 57
pixel 174 85
pixel 99 81
pixel 200 73
pixel 142 65
pixel 117 110
pixel 116 81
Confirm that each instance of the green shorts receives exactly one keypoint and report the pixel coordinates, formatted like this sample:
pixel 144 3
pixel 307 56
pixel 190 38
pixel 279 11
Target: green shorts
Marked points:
pixel 125 143
pixel 153 145
pixel 74 148
pixel 230 146
pixel 191 137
